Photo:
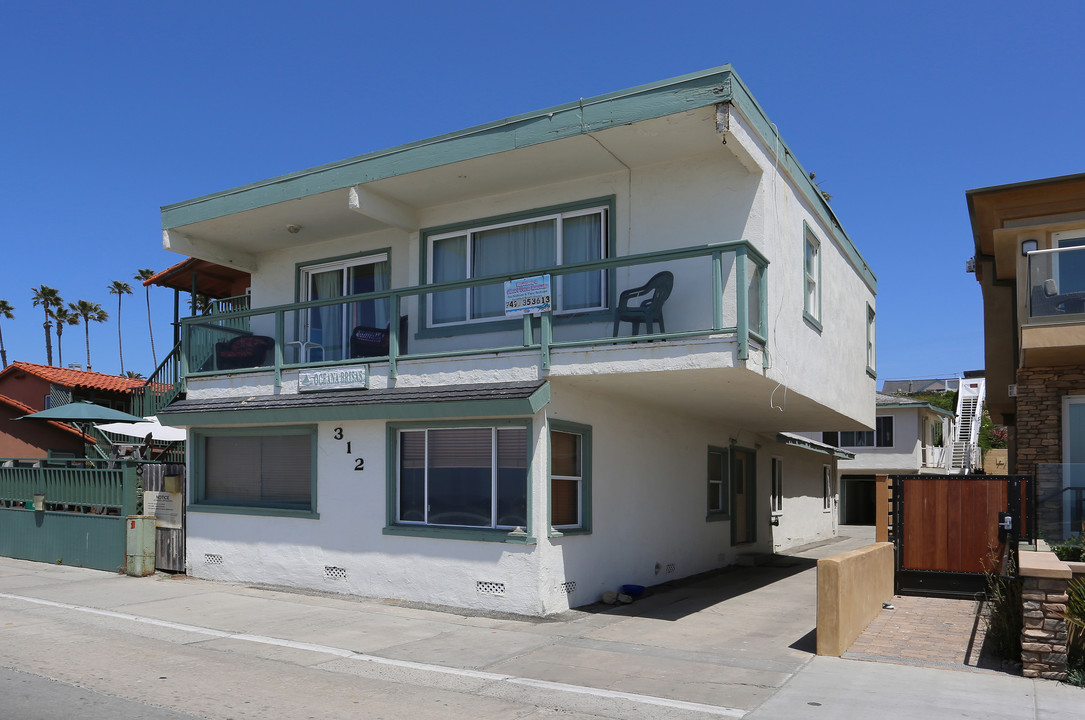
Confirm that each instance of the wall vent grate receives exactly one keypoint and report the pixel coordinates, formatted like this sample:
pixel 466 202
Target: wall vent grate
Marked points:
pixel 490 588
pixel 332 572
pixel 568 587
pixel 212 559
pixel 670 567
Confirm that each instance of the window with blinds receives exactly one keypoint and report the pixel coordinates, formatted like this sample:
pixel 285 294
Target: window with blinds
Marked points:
pixel 463 477
pixel 259 470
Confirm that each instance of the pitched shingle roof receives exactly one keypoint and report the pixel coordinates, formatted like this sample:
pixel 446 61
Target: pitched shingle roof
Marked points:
pixel 67 377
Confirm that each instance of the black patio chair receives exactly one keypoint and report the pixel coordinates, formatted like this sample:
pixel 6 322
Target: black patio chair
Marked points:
pixel 650 310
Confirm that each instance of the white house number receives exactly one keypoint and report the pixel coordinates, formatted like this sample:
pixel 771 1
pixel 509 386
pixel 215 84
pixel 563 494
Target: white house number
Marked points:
pixel 359 463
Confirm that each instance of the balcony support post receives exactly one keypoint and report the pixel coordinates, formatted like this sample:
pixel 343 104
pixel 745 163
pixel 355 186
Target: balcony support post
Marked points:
pixel 280 335
pixel 393 337
pixel 742 302
pixel 717 290
pixel 546 337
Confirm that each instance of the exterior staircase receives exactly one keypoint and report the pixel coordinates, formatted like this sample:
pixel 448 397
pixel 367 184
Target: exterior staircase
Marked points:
pixel 964 451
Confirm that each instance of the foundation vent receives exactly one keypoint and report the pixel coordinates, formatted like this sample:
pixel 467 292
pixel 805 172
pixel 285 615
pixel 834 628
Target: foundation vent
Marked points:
pixel 335 573
pixel 212 559
pixel 568 587
pixel 670 567
pixel 489 588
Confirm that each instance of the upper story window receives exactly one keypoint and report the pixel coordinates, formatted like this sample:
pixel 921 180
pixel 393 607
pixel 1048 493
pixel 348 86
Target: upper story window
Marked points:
pixel 812 277
pixel 517 246
pixel 881 436
pixel 326 330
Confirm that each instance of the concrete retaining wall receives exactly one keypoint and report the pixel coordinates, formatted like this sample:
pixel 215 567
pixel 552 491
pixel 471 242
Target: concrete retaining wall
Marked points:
pixel 851 589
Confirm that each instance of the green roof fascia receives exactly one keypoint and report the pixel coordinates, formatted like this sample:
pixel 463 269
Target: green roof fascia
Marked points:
pixel 383 411
pixel 576 118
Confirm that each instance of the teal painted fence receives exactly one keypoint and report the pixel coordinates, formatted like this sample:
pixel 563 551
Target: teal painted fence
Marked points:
pixel 83 519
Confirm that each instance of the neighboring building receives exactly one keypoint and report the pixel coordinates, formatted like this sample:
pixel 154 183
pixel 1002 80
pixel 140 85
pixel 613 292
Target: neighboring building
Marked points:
pixel 27 388
pixel 909 437
pixel 421 440
pixel 1030 263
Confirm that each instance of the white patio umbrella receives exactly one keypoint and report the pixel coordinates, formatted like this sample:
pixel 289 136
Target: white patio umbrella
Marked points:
pixel 157 430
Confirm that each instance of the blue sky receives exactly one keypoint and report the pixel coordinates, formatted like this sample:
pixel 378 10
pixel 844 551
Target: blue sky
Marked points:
pixel 110 110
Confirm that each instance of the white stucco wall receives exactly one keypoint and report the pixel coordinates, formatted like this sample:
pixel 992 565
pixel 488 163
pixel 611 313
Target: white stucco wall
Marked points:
pixel 648 497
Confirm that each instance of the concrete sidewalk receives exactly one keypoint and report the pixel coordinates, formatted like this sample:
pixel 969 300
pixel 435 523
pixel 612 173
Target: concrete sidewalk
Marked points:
pixel 737 643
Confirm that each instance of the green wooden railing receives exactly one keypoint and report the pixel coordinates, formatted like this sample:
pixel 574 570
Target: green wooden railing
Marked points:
pixel 66 486
pixel 747 288
pixel 164 384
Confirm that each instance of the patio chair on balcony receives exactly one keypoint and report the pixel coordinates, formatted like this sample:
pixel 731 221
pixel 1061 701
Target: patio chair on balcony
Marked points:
pixel 368 341
pixel 244 351
pixel 650 310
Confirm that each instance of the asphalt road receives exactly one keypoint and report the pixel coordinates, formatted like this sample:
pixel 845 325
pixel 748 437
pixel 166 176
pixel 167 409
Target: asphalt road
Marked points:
pixel 29 697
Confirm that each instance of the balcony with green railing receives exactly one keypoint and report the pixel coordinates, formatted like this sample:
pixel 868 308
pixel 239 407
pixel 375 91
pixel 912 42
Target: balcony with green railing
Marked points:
pixel 718 290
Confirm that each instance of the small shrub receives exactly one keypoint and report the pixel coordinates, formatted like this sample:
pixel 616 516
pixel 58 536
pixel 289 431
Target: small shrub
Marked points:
pixel 1070 550
pixel 1075 625
pixel 1004 616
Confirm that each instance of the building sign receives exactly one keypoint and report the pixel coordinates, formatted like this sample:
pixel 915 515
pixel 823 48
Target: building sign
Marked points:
pixel 353 378
pixel 527 295
pixel 165 506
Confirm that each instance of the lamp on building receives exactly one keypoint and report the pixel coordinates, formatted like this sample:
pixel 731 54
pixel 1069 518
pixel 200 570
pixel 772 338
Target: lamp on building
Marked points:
pixel 1029 246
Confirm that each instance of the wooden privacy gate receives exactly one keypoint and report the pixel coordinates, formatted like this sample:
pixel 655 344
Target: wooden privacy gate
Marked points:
pixel 167 482
pixel 949 530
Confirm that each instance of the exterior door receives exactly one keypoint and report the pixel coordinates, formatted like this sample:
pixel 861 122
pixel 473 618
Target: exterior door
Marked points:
pixel 1073 470
pixel 328 327
pixel 743 497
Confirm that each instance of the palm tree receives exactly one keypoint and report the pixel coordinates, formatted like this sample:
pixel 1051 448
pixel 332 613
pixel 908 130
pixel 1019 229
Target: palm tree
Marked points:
pixel 63 316
pixel 48 298
pixel 6 311
pixel 90 312
pixel 142 275
pixel 120 289
pixel 134 375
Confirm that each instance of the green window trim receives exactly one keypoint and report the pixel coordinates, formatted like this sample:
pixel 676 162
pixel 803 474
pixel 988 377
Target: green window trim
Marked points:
pixel 428 330
pixel 585 433
pixel 811 272
pixel 871 348
pixel 197 503
pixel 451 532
pixel 723 492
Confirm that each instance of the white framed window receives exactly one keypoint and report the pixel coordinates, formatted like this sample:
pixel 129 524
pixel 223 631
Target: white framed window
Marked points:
pixel 1068 268
pixel 324 332
pixel 811 276
pixel 517 247
pixel 471 477
pixel 881 436
pixel 776 496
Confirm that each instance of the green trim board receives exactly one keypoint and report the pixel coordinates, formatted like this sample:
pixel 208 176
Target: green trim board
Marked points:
pixel 588 115
pixel 197 485
pixel 585 433
pixel 453 532
pixel 521 399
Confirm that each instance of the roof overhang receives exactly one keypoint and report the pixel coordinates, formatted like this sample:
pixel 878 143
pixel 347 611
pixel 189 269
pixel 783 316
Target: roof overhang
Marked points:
pixel 392 188
pixel 408 403
pixel 805 443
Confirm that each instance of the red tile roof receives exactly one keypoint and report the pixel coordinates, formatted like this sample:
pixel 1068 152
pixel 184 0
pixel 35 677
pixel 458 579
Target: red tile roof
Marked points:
pixel 69 378
pixel 26 409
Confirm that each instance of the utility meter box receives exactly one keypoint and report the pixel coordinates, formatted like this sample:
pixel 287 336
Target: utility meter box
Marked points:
pixel 139 545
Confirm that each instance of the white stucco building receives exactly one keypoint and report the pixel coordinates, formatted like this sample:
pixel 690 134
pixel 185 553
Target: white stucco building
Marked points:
pixel 381 422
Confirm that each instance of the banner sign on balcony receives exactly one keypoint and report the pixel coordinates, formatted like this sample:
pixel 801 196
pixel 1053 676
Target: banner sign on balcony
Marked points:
pixel 352 378
pixel 527 295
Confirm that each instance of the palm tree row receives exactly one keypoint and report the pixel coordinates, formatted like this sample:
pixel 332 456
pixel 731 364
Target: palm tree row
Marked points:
pixel 60 315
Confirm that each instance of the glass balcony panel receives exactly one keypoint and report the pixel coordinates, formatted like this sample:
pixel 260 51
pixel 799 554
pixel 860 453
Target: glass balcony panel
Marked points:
pixel 1056 282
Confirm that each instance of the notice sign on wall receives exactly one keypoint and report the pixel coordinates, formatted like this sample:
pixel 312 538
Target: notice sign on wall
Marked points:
pixel 165 506
pixel 527 295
